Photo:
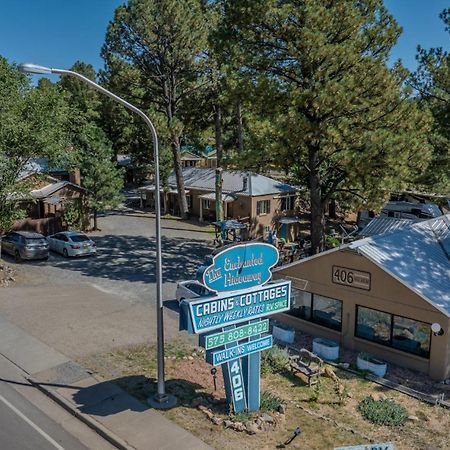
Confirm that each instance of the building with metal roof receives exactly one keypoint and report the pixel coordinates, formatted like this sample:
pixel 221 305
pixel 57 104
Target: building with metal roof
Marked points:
pixel 381 225
pixel 254 198
pixel 381 295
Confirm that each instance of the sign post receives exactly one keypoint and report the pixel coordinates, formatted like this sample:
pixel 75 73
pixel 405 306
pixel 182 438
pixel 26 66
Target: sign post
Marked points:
pixel 232 325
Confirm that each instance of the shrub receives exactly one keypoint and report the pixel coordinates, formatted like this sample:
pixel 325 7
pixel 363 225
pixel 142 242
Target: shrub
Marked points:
pixel 274 360
pixel 270 402
pixel 383 412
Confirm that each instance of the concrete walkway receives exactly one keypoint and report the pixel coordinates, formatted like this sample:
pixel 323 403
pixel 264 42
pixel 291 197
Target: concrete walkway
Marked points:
pixel 118 417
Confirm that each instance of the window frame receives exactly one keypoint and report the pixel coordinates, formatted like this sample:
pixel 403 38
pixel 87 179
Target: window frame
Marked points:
pixel 289 200
pixel 389 344
pixel 311 318
pixel 206 203
pixel 259 208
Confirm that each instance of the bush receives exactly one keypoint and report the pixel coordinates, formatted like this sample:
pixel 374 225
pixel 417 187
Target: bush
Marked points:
pixel 274 360
pixel 383 412
pixel 270 402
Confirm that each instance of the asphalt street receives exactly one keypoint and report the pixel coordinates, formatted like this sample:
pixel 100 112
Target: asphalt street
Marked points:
pixel 24 426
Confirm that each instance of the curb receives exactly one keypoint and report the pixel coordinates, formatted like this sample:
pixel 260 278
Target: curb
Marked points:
pixel 104 432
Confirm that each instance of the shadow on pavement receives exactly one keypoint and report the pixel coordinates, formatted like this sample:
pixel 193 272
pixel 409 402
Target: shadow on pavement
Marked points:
pixel 132 258
pixel 107 398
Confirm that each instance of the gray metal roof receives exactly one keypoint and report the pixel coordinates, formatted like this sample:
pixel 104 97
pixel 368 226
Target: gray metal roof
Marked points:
pixel 52 188
pixel 418 256
pixel 380 225
pixel 233 182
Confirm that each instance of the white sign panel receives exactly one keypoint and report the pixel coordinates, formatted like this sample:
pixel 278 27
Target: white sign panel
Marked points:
pixel 384 446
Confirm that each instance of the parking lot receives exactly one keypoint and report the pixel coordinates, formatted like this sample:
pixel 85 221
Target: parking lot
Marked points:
pixel 93 304
pixel 125 263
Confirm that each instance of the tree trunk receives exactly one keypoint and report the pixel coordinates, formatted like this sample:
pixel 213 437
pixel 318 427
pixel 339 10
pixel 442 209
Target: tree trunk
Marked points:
pixel 240 130
pixel 317 210
pixel 182 201
pixel 218 133
pixel 95 220
pixel 219 154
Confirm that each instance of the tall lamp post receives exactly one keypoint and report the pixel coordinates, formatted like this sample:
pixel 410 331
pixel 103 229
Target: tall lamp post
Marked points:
pixel 161 399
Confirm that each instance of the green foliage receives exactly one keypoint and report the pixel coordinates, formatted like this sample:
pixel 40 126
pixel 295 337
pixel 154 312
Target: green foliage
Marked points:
pixel 270 402
pixel 101 176
pixel 383 412
pixel 33 124
pixel 332 241
pixel 344 119
pixel 242 417
pixel 432 81
pixel 160 45
pixel 73 215
pixel 274 360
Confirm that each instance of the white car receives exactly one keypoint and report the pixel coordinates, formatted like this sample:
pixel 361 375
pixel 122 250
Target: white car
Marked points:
pixel 71 243
pixel 192 289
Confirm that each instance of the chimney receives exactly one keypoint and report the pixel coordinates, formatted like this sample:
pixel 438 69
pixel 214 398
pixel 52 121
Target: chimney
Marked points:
pixel 74 176
pixel 244 183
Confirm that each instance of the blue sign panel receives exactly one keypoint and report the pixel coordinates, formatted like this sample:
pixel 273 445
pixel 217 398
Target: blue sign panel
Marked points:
pixel 232 353
pixel 234 385
pixel 241 266
pixel 210 313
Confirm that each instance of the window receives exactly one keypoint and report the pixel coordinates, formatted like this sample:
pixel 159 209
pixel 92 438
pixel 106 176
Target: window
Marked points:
pixel 301 302
pixel 262 207
pixel 373 325
pixel 324 311
pixel 189 200
pixel 327 312
pixel 408 335
pixel 206 204
pixel 411 336
pixel 287 203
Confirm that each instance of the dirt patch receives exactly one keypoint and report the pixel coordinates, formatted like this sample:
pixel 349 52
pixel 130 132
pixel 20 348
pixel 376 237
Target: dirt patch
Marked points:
pixel 326 420
pixel 7 275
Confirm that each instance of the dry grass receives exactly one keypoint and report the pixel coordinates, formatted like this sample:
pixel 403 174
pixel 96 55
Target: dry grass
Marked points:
pixel 325 422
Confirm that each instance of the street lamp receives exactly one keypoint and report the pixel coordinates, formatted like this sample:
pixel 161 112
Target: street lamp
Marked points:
pixel 161 400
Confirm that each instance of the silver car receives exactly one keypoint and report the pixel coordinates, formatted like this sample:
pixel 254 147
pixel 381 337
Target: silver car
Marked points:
pixel 72 243
pixel 192 289
pixel 25 245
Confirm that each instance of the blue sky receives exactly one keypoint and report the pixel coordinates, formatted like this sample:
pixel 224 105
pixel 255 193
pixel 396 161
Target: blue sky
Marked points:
pixel 59 32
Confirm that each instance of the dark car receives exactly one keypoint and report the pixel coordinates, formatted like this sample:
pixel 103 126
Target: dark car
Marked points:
pixel 25 245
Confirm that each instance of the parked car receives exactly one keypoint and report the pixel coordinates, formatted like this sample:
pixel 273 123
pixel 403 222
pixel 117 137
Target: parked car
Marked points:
pixel 72 243
pixel 192 289
pixel 25 245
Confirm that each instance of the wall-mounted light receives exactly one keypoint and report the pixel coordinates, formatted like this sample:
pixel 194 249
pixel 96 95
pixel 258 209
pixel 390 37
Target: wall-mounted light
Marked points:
pixel 437 329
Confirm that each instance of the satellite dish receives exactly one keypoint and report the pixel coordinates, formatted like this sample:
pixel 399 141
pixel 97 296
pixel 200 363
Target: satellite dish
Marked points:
pixel 436 328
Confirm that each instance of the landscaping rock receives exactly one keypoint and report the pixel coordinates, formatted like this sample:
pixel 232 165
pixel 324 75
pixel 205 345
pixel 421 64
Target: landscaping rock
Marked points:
pixel 190 358
pixel 378 396
pixel 216 420
pixel 413 418
pixel 251 427
pixel 282 409
pixel 238 426
pixel 267 418
pixel 227 423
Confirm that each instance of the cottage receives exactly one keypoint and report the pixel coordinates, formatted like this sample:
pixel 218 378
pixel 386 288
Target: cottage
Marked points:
pixel 259 200
pixel 381 295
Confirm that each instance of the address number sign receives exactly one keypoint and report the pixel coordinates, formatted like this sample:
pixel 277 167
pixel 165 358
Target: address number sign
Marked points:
pixel 351 277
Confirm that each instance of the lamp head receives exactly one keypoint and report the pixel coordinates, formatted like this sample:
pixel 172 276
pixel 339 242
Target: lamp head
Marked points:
pixel 33 68
pixel 437 329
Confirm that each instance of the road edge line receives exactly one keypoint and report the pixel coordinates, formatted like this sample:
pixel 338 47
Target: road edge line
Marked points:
pixel 96 426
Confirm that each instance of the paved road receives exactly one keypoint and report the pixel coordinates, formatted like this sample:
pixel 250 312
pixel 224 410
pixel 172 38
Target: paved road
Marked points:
pixel 95 304
pixel 24 425
pixel 125 264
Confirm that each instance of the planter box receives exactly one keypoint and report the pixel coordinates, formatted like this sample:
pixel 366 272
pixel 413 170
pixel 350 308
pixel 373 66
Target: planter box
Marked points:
pixel 326 349
pixel 368 362
pixel 283 335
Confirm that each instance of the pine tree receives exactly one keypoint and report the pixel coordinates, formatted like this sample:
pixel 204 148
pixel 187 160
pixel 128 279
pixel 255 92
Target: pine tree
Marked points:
pixel 164 42
pixel 348 125
pixel 100 174
pixel 432 80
